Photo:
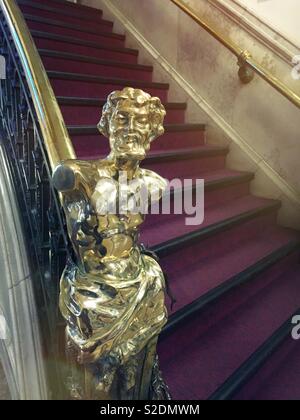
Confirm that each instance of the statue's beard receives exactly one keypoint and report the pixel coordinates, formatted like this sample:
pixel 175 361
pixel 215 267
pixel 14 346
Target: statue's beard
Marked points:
pixel 130 146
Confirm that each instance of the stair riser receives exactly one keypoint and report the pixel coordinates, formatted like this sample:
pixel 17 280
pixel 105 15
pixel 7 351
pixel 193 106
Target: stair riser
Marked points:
pixel 60 30
pixel 102 25
pixel 87 115
pixel 61 64
pixel 208 375
pixel 96 90
pixel 84 50
pixel 88 145
pixel 76 9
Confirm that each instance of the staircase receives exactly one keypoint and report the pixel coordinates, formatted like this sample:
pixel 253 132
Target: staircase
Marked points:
pixel 236 278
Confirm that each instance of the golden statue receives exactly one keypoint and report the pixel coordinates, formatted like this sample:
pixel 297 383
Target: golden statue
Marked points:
pixel 113 297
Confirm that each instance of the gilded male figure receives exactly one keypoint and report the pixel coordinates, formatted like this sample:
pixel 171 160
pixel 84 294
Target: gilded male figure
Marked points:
pixel 112 297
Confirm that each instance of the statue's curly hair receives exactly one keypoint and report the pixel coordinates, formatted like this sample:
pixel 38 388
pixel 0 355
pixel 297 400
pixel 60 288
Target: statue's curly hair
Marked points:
pixel 140 98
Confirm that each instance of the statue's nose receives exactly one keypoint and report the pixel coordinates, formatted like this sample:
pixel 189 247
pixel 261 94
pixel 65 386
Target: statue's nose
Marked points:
pixel 131 125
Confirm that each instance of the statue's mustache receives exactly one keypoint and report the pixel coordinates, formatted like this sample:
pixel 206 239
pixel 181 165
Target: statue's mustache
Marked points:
pixel 129 137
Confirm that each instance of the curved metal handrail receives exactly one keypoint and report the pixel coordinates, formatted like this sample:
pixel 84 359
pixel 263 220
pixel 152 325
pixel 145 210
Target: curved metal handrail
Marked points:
pixel 54 132
pixel 244 57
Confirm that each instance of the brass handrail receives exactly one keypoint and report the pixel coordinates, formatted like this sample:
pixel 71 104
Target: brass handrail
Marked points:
pixel 244 57
pixel 55 135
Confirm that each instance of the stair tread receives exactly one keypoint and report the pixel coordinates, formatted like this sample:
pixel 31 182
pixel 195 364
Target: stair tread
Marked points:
pixel 73 40
pixel 74 6
pixel 79 28
pixel 92 129
pixel 217 350
pixel 55 8
pixel 161 155
pixel 104 80
pixel 69 100
pixel 188 151
pixel 214 177
pixel 91 59
pixel 225 173
pixel 158 235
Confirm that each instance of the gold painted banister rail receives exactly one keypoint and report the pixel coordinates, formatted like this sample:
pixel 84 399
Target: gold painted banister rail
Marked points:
pixel 245 59
pixel 55 135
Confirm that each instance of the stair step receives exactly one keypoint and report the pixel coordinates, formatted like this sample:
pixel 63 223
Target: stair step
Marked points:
pixel 86 111
pixel 49 12
pixel 48 40
pixel 74 8
pixel 220 188
pixel 170 128
pixel 187 163
pixel 272 373
pixel 219 340
pixel 158 157
pixel 62 61
pixel 66 84
pixel 167 233
pixel 175 155
pixel 88 141
pixel 242 252
pixel 67 29
pixel 193 161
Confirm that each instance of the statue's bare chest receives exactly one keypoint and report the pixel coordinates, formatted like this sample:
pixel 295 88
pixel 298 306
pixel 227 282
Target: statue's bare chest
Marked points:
pixel 120 197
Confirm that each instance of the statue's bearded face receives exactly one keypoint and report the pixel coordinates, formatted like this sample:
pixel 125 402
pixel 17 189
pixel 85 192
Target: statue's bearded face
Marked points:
pixel 130 130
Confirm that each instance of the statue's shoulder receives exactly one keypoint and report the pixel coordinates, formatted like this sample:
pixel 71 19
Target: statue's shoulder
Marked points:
pixel 153 180
pixel 69 174
pixel 80 165
pixel 104 168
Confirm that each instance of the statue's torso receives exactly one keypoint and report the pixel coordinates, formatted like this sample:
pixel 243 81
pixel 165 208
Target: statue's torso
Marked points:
pixel 102 220
pixel 113 285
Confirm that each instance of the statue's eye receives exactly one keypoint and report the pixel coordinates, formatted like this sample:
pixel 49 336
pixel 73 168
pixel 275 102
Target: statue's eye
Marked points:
pixel 143 120
pixel 121 118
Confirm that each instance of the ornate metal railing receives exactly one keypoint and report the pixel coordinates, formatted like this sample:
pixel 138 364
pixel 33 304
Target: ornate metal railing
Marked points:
pixel 35 139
